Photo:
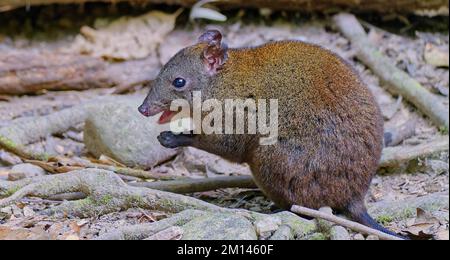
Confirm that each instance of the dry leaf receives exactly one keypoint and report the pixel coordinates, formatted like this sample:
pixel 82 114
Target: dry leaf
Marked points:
pixel 442 235
pixel 423 226
pixel 128 37
pixel 9 233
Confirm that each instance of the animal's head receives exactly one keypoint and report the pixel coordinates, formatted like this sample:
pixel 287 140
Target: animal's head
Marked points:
pixel 189 70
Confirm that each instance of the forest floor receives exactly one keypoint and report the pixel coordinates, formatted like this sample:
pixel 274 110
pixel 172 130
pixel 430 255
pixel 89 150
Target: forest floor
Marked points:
pixel 420 178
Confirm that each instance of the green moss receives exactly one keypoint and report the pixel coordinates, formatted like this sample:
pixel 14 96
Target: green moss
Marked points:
pixel 408 213
pixel 443 130
pixel 317 236
pixel 385 219
pixel 11 191
pixel 7 143
pixel 105 200
pixel 135 200
pixel 87 202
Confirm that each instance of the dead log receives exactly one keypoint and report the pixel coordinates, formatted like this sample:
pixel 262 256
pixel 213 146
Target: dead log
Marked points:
pixel 420 7
pixel 24 72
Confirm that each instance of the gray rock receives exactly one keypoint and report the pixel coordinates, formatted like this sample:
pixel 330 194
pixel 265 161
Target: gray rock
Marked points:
pixel 283 233
pixel 219 227
pixel 339 233
pixel 119 131
pixel 407 208
pixel 372 237
pixel 359 237
pixel 266 226
pixel 437 166
pixel 26 170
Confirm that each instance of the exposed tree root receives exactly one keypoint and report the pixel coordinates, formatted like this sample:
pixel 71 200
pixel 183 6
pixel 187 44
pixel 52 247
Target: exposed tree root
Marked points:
pixel 23 72
pixel 142 231
pixel 105 191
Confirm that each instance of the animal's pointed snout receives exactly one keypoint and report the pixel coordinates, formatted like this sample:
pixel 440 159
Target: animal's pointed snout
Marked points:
pixel 149 109
pixel 144 110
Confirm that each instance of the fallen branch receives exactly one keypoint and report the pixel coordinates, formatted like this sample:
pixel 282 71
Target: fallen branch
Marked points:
pixel 420 7
pixel 395 156
pixel 24 72
pixel 179 186
pixel 20 150
pixel 28 130
pixel 199 185
pixel 342 222
pixel 399 82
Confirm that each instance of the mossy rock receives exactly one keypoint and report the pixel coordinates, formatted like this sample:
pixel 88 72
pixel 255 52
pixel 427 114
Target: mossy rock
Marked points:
pixel 407 208
pixel 219 227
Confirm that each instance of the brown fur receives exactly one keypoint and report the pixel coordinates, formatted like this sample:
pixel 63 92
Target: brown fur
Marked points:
pixel 330 128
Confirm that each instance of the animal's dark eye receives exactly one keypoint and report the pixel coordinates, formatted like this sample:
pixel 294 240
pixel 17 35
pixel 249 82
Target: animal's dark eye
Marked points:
pixel 179 82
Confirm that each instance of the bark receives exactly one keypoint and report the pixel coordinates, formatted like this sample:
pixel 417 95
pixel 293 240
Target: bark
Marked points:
pixel 421 7
pixel 24 72
pixel 399 82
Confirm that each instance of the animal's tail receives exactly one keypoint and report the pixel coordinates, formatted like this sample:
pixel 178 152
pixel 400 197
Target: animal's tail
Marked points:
pixel 359 214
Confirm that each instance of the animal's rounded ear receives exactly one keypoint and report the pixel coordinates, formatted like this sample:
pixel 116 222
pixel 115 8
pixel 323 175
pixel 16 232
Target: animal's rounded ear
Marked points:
pixel 215 52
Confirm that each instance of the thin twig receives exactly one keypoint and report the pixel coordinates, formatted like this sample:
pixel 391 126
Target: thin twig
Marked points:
pixel 343 222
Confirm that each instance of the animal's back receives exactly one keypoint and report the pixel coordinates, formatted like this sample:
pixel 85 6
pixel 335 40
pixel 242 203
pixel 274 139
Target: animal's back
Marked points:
pixel 330 128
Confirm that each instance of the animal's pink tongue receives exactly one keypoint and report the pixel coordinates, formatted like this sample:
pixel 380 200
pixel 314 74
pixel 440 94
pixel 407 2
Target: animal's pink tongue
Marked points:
pixel 166 116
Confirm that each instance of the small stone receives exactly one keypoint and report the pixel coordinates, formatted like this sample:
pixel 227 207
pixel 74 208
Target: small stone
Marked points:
pixel 438 167
pixel 7 210
pixel 372 237
pixel 339 233
pixel 359 237
pixel 16 211
pixel 25 170
pixel 28 211
pixel 267 225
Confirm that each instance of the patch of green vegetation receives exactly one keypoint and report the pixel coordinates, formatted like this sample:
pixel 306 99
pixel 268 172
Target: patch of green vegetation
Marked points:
pixel 11 191
pixel 443 130
pixel 135 200
pixel 7 143
pixel 317 236
pixel 105 200
pixel 385 219
pixel 87 202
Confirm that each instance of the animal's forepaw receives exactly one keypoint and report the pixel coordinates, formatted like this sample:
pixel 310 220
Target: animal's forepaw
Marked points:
pixel 168 139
